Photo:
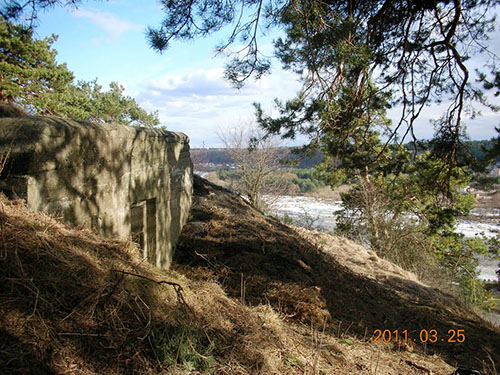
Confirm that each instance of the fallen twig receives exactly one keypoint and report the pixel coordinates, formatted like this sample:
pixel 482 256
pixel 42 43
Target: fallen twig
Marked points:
pixel 177 287
pixel 418 367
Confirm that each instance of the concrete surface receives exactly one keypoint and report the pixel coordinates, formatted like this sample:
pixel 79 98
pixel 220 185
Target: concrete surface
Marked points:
pixel 120 181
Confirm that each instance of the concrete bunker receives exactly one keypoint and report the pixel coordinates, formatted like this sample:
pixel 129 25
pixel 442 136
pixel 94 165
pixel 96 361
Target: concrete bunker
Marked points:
pixel 120 181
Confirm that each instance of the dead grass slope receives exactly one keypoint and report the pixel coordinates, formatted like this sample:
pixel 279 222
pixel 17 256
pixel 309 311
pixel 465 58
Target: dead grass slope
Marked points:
pixel 74 303
pixel 313 278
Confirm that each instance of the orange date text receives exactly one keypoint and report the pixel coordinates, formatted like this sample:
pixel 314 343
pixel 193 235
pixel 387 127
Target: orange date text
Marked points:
pixel 423 336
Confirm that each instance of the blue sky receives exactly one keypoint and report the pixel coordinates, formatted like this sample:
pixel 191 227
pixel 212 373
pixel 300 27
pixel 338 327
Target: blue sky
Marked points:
pixel 106 40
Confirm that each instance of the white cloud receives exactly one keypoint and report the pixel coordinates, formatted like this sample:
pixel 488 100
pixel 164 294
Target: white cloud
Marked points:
pixel 201 83
pixel 109 22
pixel 201 102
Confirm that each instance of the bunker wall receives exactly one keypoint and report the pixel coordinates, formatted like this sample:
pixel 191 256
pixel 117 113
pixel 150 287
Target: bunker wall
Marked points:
pixel 120 181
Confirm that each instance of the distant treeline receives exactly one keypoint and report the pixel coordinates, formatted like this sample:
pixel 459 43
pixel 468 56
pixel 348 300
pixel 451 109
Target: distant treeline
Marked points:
pixel 291 181
pixel 220 156
pixel 475 148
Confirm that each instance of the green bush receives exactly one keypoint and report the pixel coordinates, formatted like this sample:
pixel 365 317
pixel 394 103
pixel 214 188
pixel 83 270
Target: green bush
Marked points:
pixel 305 180
pixel 229 174
pixel 184 345
pixel 286 219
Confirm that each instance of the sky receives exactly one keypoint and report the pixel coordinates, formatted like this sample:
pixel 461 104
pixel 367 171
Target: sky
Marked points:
pixel 106 40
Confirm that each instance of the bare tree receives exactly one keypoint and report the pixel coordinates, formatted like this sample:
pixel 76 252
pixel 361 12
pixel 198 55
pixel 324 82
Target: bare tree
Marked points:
pixel 256 156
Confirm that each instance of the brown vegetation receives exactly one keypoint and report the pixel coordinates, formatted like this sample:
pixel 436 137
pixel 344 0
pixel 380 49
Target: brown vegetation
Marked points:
pixel 250 296
pixel 247 252
pixel 11 110
pixel 489 199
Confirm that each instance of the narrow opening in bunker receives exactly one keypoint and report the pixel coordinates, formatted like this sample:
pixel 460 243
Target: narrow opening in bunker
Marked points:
pixel 151 230
pixel 143 226
pixel 137 224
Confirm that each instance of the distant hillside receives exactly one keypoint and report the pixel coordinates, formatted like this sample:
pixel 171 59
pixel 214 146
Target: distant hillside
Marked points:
pixel 220 156
pixel 477 147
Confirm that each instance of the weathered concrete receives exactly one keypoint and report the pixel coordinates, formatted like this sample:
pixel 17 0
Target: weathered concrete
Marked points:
pixel 120 181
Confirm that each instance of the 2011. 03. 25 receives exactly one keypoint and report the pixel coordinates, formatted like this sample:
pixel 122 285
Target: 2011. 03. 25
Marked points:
pixel 422 336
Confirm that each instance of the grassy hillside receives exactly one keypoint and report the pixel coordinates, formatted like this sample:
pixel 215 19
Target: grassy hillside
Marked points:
pixel 247 296
pixel 310 276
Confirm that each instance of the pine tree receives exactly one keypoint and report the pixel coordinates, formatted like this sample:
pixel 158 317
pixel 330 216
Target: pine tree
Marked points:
pixel 30 75
pixel 31 78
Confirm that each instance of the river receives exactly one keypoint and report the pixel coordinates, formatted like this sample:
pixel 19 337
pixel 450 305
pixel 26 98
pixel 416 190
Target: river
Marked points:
pixel 321 212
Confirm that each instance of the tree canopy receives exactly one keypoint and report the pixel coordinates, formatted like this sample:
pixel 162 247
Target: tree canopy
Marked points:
pixel 31 77
pixel 417 50
pixel 410 53
pixel 29 69
pixel 26 12
pixel 356 59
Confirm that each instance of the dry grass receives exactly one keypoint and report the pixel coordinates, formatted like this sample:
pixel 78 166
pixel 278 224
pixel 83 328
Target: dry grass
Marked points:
pixel 309 276
pixel 74 303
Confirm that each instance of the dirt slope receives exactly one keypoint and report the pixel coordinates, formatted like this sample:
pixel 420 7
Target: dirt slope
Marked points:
pixel 237 302
pixel 260 261
pixel 74 303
